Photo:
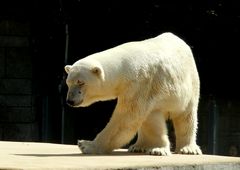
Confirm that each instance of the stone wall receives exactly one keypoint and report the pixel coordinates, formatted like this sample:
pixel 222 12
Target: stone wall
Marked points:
pixel 227 124
pixel 17 112
pixel 21 117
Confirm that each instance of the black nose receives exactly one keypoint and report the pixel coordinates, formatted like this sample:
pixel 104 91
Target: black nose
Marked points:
pixel 70 102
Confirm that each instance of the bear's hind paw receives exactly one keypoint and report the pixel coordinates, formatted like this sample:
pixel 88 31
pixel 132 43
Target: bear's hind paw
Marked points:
pixel 163 151
pixel 136 149
pixel 191 150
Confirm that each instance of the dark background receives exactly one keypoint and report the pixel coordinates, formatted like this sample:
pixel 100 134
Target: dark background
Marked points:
pixel 210 27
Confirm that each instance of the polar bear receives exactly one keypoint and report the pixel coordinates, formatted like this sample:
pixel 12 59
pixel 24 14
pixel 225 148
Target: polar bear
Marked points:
pixel 153 80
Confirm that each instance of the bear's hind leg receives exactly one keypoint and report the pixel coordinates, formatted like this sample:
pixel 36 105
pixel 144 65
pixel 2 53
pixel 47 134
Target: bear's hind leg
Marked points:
pixel 152 136
pixel 185 130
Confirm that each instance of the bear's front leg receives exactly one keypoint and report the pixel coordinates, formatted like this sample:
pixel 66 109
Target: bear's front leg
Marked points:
pixel 118 132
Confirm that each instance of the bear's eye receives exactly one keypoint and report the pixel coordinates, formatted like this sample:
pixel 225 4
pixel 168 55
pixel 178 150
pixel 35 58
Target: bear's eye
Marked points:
pixel 80 83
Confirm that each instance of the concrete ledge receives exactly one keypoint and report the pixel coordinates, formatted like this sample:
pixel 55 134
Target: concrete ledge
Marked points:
pixel 40 156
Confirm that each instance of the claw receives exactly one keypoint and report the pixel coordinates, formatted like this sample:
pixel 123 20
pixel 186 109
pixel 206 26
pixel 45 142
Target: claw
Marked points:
pixel 191 150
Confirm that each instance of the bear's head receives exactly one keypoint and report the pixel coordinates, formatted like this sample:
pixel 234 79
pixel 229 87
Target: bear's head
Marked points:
pixel 84 83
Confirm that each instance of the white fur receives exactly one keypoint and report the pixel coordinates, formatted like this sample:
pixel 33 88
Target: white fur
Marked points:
pixel 153 80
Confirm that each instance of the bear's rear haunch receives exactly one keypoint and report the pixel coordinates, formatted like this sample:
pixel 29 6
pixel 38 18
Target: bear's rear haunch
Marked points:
pixel 153 80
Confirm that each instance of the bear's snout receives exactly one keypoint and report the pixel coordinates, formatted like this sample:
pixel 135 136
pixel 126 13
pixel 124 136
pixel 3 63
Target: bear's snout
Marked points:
pixel 70 102
pixel 74 103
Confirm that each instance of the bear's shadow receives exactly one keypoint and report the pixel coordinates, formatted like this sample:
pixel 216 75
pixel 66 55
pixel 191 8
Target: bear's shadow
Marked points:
pixel 115 153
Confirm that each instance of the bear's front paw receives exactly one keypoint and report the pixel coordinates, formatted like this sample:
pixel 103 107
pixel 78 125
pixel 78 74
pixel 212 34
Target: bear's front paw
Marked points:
pixel 163 151
pixel 87 147
pixel 191 149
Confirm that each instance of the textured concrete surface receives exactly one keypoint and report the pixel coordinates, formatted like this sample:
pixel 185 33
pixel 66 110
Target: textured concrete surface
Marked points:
pixel 40 156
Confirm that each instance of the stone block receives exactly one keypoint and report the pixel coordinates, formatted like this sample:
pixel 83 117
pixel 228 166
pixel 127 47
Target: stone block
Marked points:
pixel 15 86
pixel 1 133
pixel 14 41
pixel 14 27
pixel 20 132
pixel 203 124
pixel 223 124
pixel 203 108
pixel 49 156
pixel 17 115
pixel 18 63
pixel 16 100
pixel 234 107
pixel 2 62
pixel 234 123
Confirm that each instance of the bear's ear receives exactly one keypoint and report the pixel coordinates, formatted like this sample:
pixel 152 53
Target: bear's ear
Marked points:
pixel 67 68
pixel 97 71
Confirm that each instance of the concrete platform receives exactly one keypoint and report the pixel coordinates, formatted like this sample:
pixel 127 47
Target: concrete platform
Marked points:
pixel 41 156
